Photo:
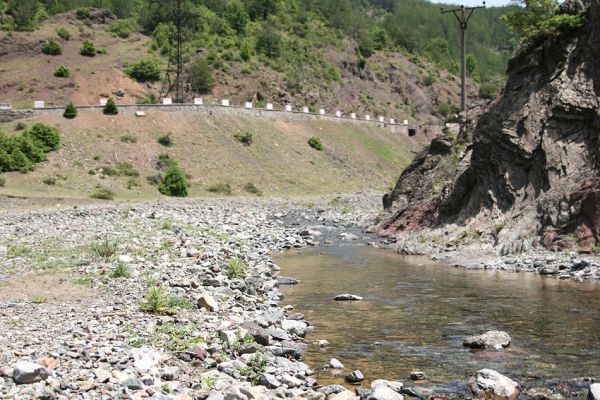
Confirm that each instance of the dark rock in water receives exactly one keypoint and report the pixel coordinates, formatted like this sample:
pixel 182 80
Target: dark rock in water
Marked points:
pixel 489 384
pixel 409 391
pixel 289 348
pixel 354 377
pixel 331 389
pixel 490 339
pixel 347 297
pixel 284 280
pixel 539 393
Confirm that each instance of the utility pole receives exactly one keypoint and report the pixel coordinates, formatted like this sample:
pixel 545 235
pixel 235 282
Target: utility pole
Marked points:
pixel 463 14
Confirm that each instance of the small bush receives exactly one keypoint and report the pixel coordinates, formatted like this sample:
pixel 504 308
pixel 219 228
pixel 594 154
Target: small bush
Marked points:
pixel 202 79
pixel 155 301
pixel 104 248
pixel 52 48
pixel 126 169
pixel 103 194
pixel 251 188
pixel 165 140
pixel 83 13
pixel 489 90
pixel 88 49
pixel 245 138
pixel 220 188
pixel 2 182
pixel 46 137
pixel 144 70
pixel 63 33
pixel 154 180
pixel 128 138
pixel 110 108
pixel 315 143
pixel 165 161
pixel 62 72
pixel 133 182
pixel 49 181
pixel 236 268
pixel 123 28
pixel 120 271
pixel 109 171
pixel 174 183
pixel 20 126
pixel 70 111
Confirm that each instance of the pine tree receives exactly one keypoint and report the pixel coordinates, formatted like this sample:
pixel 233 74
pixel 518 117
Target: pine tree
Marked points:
pixel 70 111
pixel 110 108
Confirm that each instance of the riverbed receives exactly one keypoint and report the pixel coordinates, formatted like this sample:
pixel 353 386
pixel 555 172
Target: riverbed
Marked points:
pixel 416 314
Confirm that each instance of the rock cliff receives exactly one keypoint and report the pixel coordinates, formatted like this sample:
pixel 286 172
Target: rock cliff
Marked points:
pixel 524 170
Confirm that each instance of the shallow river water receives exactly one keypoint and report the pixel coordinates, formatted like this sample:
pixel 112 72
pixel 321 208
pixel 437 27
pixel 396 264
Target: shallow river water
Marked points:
pixel 420 313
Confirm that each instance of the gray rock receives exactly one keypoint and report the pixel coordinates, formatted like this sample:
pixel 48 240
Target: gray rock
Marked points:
pixel 487 383
pixel 133 384
pixel 269 381
pixel 331 389
pixel 208 302
pixel 28 372
pixel 354 377
pixel 335 363
pixel 394 385
pixel 417 376
pixel 102 375
pixel 347 297
pixel 294 327
pixel 382 392
pixel 284 280
pixel 490 339
pixel 348 236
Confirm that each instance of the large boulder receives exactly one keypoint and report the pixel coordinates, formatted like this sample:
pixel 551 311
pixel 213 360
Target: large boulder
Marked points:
pixel 490 339
pixel 490 384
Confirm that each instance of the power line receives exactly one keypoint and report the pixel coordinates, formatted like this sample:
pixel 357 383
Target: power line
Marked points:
pixel 463 14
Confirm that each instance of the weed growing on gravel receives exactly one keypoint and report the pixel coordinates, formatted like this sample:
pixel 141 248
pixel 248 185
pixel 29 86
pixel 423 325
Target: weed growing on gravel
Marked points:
pixel 165 140
pixel 155 301
pixel 315 143
pixel 244 138
pixel 136 343
pixel 128 138
pixel 39 299
pixel 85 280
pixel 15 251
pixel 166 244
pixel 120 271
pixel 126 169
pixel 104 248
pixel 208 381
pixel 236 268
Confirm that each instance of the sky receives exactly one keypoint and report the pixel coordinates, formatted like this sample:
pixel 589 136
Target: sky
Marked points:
pixel 471 3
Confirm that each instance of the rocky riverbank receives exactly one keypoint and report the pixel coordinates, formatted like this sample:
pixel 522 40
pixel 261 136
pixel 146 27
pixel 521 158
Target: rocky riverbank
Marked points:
pixel 162 300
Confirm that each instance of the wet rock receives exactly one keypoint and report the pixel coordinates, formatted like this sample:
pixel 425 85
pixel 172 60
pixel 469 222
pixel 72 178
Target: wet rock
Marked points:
pixel 417 376
pixel 322 343
pixel 487 383
pixel 28 372
pixel 537 393
pixel 331 389
pixel 294 327
pixel 348 236
pixel 284 280
pixel 490 339
pixel 354 377
pixel 347 297
pixel 382 392
pixel 335 363
pixel 594 393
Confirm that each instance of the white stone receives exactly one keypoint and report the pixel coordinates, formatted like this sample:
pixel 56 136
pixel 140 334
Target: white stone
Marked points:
pixel 394 385
pixel 5 106
pixel 295 327
pixel 305 110
pixel 269 106
pixel 288 107
pixel 487 383
pixel 367 117
pixel 335 363
pixel 125 258
pixel 345 395
pixel 322 111
pixel 594 393
pixel 338 113
pixel 38 104
pixel 208 302
pixel 145 358
pixel 28 372
pixel 198 101
pixel 353 115
pixel 384 393
pixel 102 375
pixel 167 101
pixel 103 101
pixel 140 113
pixel 225 103
pixel 248 105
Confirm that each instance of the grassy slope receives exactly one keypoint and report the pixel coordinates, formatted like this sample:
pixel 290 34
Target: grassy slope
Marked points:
pixel 278 162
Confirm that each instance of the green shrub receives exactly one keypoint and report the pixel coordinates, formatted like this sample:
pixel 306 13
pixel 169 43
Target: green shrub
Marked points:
pixel 220 188
pixel 315 143
pixel 154 180
pixel 110 108
pixel 174 183
pixel 149 98
pixel 109 171
pixel 202 79
pixel 268 42
pixel 165 161
pixel 46 137
pixel 62 72
pixel 70 111
pixel 147 69
pixel 245 138
pixel 11 156
pixel 128 138
pixel 2 182
pixel 88 49
pixel 120 271
pixel 123 28
pixel 155 301
pixel 20 126
pixel 104 248
pixel 83 13
pixel 251 188
pixel 31 149
pixel 489 90
pixel 133 182
pixel 103 194
pixel 49 181
pixel 52 48
pixel 126 169
pixel 165 140
pixel 63 33
pixel 236 268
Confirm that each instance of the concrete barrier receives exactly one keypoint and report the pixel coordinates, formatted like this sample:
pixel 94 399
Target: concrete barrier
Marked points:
pixel 225 103
pixel 321 111
pixel 269 106
pixel 288 107
pixel 338 114
pixel 198 101
pixel 38 104
pixel 305 110
pixel 167 101
pixel 248 105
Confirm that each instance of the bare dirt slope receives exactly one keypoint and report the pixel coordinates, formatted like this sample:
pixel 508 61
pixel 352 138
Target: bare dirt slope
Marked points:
pixel 279 161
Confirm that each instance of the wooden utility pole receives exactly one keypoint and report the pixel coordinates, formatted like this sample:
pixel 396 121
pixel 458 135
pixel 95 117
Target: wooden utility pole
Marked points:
pixel 463 14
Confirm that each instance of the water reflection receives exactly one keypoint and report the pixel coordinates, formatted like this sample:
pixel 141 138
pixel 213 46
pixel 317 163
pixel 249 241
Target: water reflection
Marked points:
pixel 420 313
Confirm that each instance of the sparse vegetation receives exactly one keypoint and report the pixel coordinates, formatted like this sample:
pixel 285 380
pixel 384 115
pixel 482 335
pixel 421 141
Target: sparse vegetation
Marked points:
pixel 88 49
pixel 315 143
pixel 174 182
pixel 202 79
pixel 63 33
pixel 120 271
pixel 39 299
pixel 49 181
pixel 147 69
pixel 236 268
pixel 70 111
pixel 126 169
pixel 165 140
pixel 52 48
pixel 110 108
pixel 220 188
pixel 20 126
pixel 123 28
pixel 244 137
pixel 2 182
pixel 104 248
pixel 103 194
pixel 128 138
pixel 22 152
pixel 155 301
pixel 251 188
pixel 62 72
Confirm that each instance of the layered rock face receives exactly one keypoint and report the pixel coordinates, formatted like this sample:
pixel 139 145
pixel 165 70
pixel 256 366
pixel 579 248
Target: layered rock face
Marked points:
pixel 525 169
